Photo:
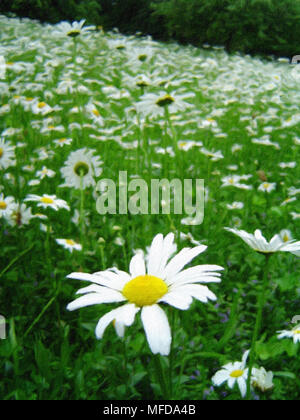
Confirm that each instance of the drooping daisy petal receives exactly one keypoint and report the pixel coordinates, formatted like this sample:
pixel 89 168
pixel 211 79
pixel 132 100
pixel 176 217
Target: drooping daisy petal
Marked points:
pixel 242 386
pixel 157 329
pixel 124 314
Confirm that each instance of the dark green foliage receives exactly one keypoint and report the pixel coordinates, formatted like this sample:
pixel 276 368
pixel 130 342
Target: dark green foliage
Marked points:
pixel 53 11
pixel 248 26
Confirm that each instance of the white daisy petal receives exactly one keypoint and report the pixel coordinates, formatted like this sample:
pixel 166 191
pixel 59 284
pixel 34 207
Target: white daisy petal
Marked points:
pixel 137 266
pixel 196 274
pixel 157 329
pixel 231 382
pixel 197 291
pixel 124 314
pixel 242 385
pixel 95 298
pixel 181 259
pixel 220 377
pixel 104 278
pixel 154 254
pixel 178 300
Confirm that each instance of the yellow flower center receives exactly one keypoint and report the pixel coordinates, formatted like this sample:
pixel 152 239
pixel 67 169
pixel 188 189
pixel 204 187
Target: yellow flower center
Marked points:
pixel 96 112
pixel 145 290
pixel 266 185
pixel 47 200
pixel 3 205
pixel 70 242
pixel 165 100
pixel 236 373
pixel 81 168
pixel 142 57
pixel 62 140
pixel 286 238
pixel 41 105
pixel 74 33
pixel 297 332
pixel 142 83
pixel 1 152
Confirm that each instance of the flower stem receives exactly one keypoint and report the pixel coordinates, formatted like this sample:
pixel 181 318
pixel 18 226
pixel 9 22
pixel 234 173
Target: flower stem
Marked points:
pixel 171 357
pixel 81 215
pixel 160 376
pixel 260 305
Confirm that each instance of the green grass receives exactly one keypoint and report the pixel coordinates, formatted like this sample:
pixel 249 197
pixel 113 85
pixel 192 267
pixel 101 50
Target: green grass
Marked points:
pixel 50 353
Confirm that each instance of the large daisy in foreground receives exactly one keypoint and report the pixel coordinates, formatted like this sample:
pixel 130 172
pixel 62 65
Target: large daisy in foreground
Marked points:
pixel 161 279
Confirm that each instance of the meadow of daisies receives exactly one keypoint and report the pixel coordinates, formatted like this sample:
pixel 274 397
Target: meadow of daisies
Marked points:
pixel 141 306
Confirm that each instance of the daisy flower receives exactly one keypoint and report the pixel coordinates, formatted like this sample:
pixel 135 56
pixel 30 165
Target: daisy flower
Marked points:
pixel 233 373
pixel 45 172
pixel 46 201
pixel 285 235
pixel 19 215
pixel 234 181
pixel 284 165
pixel 69 244
pixel 7 154
pixel 236 205
pixel 295 215
pixel 81 166
pixel 189 237
pixel 262 379
pixel 267 187
pixel 294 334
pixel 41 108
pixel 62 142
pixel 288 201
pixel 260 244
pixel 6 205
pixel 155 104
pixel 161 279
pixel 94 113
pixel 72 30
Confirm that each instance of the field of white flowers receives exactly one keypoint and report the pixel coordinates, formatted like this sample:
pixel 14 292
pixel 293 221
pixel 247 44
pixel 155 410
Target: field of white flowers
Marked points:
pixel 175 309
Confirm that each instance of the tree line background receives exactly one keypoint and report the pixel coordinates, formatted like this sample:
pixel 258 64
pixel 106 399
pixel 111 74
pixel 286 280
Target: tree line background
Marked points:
pixel 268 27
